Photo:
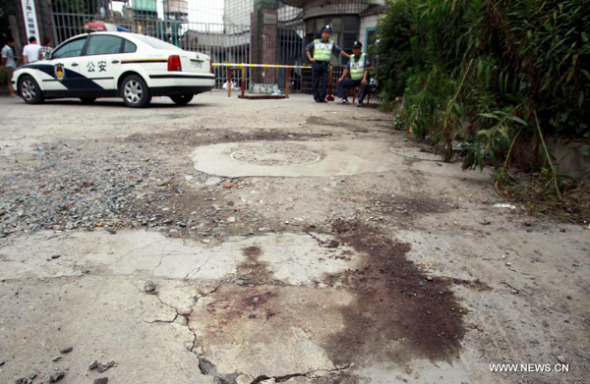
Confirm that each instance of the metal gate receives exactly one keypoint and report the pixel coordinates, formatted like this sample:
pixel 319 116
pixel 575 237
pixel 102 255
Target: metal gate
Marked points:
pixel 172 21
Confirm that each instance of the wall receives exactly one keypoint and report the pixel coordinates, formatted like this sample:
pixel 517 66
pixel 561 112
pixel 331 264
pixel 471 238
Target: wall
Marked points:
pixel 315 8
pixel 367 22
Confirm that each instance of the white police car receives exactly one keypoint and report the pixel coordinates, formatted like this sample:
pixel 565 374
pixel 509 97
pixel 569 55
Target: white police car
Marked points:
pixel 109 64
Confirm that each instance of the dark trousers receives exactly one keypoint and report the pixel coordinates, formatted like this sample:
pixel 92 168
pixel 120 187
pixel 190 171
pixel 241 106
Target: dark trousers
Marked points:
pixel 349 83
pixel 319 79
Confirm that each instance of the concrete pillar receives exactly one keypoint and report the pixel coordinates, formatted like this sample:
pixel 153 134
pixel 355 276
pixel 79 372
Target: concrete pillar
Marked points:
pixel 264 39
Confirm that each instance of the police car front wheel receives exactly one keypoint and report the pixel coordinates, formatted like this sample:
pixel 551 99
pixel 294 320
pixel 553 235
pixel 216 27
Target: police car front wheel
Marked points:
pixel 182 99
pixel 135 92
pixel 30 91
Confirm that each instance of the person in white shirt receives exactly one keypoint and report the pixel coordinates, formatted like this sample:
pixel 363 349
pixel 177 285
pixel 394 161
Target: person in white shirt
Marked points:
pixel 31 51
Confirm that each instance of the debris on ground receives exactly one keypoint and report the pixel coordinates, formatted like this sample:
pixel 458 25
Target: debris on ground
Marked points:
pixel 57 376
pixel 150 287
pixel 507 206
pixel 100 367
pixel 66 350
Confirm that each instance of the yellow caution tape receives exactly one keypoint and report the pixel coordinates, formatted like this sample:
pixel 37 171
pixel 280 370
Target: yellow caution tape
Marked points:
pixel 260 65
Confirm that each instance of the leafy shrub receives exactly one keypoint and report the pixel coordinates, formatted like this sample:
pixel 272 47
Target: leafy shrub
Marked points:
pixel 489 72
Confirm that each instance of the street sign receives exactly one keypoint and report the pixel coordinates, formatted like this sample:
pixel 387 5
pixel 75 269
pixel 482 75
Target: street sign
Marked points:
pixel 30 19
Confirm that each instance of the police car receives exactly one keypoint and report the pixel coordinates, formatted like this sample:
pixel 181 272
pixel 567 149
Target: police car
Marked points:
pixel 110 64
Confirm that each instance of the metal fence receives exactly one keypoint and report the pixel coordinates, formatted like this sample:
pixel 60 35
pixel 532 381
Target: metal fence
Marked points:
pixel 179 22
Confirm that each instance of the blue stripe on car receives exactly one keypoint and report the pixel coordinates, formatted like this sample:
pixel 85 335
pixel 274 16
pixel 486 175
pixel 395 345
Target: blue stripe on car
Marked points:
pixel 71 80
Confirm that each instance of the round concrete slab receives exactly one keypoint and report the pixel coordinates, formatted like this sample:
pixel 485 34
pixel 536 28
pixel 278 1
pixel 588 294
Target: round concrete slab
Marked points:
pixel 275 155
pixel 295 159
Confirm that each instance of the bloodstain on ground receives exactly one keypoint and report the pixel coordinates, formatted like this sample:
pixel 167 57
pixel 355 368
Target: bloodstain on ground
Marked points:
pixel 398 313
pixel 252 271
pixel 241 304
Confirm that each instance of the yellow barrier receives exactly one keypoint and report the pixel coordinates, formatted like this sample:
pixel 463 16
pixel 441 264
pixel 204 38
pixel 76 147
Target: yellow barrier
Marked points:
pixel 261 65
pixel 243 66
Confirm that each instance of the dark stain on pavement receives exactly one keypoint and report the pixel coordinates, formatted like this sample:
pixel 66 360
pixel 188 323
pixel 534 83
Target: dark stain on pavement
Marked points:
pixel 252 271
pixel 252 252
pixel 237 305
pixel 398 313
pixel 321 121
pixel 408 207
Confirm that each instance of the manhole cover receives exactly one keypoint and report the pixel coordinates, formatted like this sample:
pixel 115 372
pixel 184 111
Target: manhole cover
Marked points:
pixel 295 158
pixel 275 156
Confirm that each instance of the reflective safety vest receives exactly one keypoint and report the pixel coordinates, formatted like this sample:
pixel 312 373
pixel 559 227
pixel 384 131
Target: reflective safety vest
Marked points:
pixel 357 68
pixel 322 51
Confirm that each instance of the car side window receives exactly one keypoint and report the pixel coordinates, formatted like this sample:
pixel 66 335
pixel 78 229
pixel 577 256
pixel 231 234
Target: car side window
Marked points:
pixel 129 47
pixel 71 49
pixel 104 45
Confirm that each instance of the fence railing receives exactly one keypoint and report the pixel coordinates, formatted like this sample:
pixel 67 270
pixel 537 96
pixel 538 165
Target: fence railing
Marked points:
pixel 224 42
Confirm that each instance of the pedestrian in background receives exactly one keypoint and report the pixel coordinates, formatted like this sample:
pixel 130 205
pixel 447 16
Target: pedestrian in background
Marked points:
pixel 319 52
pixel 45 49
pixel 31 51
pixel 9 63
pixel 358 67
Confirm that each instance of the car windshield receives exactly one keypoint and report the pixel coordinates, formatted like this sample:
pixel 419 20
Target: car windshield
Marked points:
pixel 157 44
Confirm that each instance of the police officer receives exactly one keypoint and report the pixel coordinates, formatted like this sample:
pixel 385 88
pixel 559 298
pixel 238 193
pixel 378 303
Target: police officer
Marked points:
pixel 319 52
pixel 358 67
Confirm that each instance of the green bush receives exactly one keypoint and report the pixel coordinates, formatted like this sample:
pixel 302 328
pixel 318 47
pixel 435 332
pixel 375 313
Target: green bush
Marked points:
pixel 394 52
pixel 488 72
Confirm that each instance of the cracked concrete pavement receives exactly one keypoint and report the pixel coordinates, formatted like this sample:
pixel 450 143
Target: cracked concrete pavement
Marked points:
pixel 281 241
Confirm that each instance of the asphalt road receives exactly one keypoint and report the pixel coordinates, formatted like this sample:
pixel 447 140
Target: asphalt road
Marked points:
pixel 242 241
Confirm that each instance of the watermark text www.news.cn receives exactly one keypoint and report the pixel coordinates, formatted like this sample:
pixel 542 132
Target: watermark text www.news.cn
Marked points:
pixel 530 367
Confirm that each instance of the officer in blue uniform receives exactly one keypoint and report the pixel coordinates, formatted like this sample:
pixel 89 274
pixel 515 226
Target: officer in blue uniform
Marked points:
pixel 319 52
pixel 358 67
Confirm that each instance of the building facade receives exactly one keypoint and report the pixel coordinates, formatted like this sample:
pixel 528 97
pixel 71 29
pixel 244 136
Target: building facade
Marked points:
pixel 238 12
pixel 351 20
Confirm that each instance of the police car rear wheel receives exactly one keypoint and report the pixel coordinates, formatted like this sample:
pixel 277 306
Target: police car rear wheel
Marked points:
pixel 182 99
pixel 30 91
pixel 135 92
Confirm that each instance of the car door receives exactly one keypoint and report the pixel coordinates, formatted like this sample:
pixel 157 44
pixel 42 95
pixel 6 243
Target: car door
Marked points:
pixel 102 60
pixel 64 67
